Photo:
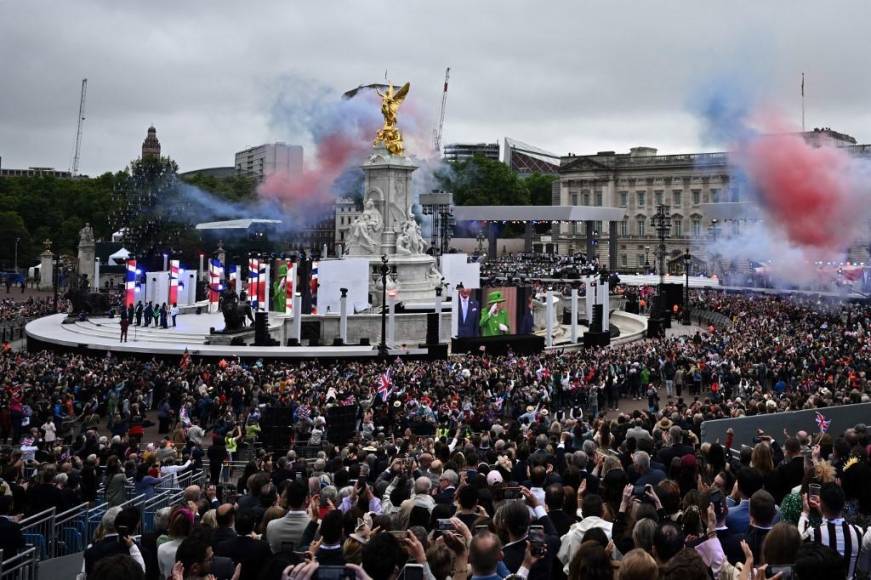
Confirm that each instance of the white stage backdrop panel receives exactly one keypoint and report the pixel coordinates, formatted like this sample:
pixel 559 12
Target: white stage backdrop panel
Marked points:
pixel 157 287
pixel 350 273
pixel 456 268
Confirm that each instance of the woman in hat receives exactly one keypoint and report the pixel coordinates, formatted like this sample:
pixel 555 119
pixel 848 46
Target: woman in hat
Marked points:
pixel 494 320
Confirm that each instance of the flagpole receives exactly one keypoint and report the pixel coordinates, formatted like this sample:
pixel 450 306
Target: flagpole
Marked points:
pixel 802 102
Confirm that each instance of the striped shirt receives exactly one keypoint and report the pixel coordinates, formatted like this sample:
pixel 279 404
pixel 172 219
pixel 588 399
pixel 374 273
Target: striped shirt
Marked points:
pixel 843 537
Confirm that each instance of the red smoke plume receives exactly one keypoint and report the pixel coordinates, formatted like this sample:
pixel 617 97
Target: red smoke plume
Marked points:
pixel 809 191
pixel 311 191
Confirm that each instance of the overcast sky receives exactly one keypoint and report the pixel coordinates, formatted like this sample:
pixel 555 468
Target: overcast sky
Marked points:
pixel 576 76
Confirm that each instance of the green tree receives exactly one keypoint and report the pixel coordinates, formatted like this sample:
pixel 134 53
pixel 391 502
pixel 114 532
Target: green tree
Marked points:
pixel 482 181
pixel 540 188
pixel 235 188
pixel 11 228
pixel 149 208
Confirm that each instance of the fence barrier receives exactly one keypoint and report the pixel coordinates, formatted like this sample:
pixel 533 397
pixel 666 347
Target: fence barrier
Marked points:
pixel 23 566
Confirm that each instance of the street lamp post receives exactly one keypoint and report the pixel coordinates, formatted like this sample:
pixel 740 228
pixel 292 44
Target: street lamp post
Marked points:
pixel 384 269
pixel 16 254
pixel 55 278
pixel 685 317
pixel 646 260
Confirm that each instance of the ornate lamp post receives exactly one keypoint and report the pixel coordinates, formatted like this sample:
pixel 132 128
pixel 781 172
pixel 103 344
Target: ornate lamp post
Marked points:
pixel 384 270
pixel 685 317
pixel 662 225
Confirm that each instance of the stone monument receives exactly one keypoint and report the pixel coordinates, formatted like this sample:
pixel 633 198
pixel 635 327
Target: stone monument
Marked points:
pixel 387 225
pixel 46 267
pixel 87 253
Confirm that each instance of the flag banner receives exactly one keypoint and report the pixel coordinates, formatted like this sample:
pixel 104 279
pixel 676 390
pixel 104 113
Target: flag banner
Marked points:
pixel 253 268
pixel 174 267
pixel 216 273
pixel 314 287
pixel 261 284
pixel 289 287
pixel 233 278
pixel 130 284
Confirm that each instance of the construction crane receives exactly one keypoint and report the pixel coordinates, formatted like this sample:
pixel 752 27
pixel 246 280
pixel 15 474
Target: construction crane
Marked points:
pixel 437 133
pixel 75 167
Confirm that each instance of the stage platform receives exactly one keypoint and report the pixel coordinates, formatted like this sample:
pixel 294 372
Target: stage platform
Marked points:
pixel 192 333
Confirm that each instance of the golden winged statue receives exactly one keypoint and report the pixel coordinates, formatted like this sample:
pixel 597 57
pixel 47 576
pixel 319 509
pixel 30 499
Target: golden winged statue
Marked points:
pixel 389 134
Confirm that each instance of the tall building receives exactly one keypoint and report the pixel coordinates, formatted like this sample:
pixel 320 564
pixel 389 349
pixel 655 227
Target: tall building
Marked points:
pixel 264 160
pixel 641 180
pixel 33 172
pixel 346 212
pixel 519 156
pixel 151 146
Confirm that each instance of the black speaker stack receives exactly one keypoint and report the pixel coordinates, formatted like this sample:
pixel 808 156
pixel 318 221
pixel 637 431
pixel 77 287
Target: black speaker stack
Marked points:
pixel 276 428
pixel 341 423
pixel 261 330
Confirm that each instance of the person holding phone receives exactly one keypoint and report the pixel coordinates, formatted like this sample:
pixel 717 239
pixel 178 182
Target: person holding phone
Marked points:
pixel 834 531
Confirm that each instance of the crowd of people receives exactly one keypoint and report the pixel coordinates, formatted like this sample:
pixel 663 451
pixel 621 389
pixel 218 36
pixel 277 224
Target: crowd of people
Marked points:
pixel 18 311
pixel 536 266
pixel 483 467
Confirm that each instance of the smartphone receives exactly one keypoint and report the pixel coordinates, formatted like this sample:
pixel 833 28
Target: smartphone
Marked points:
pixel 785 572
pixel 412 572
pixel 536 538
pixel 398 534
pixel 334 573
pixel 481 529
pixel 813 490
pixel 123 533
pixel 513 492
pixel 638 490
pixel 300 476
pixel 444 525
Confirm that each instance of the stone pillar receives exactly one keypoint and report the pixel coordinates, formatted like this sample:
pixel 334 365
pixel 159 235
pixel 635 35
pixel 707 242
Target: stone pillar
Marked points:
pixel 200 272
pixel 391 321
pixel 589 228
pixel 343 315
pixel 548 339
pixel 492 250
pixel 613 245
pixel 574 315
pixel 87 255
pixel 97 274
pixel 46 269
pixel 297 317
pixel 528 231
pixel 438 310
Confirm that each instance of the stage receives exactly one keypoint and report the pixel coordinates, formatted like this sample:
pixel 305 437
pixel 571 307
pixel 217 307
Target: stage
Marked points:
pixel 100 334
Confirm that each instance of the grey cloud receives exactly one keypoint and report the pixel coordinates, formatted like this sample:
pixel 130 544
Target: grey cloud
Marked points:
pixel 567 76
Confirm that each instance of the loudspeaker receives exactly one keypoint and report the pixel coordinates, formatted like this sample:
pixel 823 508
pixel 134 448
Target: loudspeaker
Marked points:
pixel 261 328
pixel 594 339
pixel 672 295
pixel 341 423
pixel 654 328
pixel 567 316
pixel 338 341
pixel 364 341
pixel 432 328
pixel 598 316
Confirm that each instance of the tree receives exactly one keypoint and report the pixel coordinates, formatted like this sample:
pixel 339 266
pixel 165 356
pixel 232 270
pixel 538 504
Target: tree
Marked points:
pixel 50 208
pixel 540 188
pixel 149 208
pixel 11 228
pixel 482 181
pixel 233 188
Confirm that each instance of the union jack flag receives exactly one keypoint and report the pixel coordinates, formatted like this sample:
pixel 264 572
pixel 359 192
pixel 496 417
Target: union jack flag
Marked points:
pixel 303 412
pixel 823 423
pixel 385 385
pixel 130 284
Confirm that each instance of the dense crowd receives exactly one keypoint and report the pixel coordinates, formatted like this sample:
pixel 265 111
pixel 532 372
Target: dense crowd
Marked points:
pixel 474 467
pixel 18 311
pixel 535 266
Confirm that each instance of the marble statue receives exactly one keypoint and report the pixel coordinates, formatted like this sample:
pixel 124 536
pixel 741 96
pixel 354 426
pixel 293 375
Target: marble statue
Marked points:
pixel 86 234
pixel 366 229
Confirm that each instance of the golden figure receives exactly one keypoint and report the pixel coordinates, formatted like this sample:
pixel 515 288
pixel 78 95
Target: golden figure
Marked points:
pixel 389 133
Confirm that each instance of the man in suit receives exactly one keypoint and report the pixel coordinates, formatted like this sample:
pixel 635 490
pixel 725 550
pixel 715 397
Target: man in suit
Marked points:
pixel 749 481
pixel 226 517
pixel 286 533
pixel 554 498
pixel 245 548
pixel 790 472
pixel 469 313
pixel 516 520
pixel 11 540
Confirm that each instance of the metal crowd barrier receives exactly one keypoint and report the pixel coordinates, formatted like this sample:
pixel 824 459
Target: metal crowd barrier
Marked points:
pixel 70 529
pixel 39 531
pixel 23 566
